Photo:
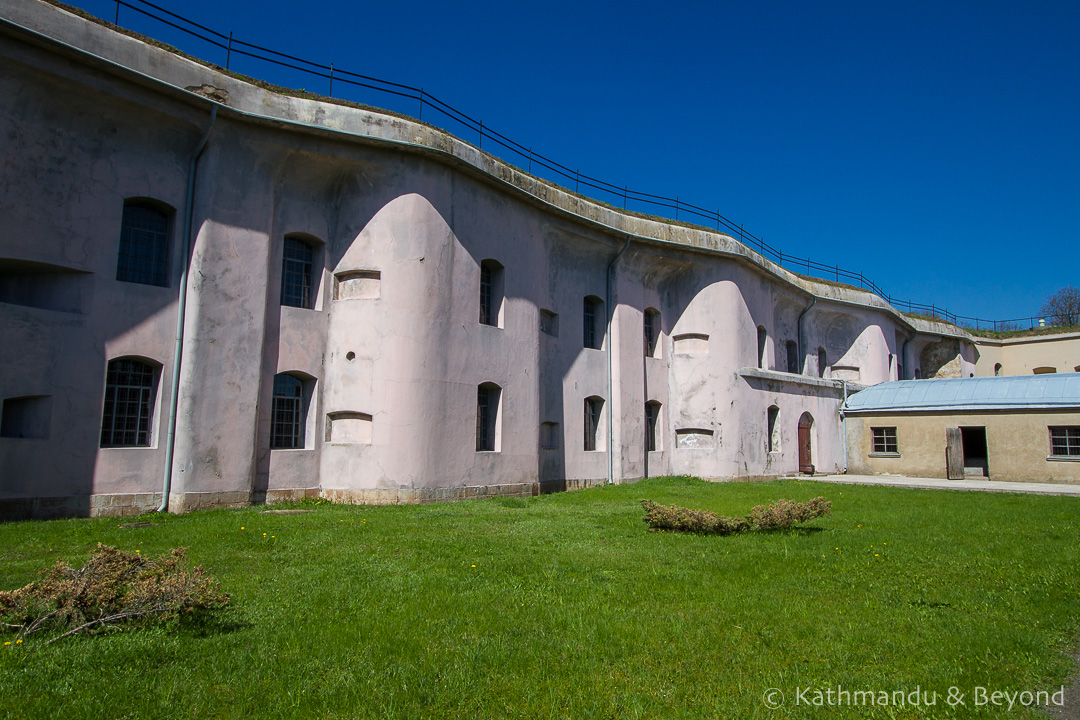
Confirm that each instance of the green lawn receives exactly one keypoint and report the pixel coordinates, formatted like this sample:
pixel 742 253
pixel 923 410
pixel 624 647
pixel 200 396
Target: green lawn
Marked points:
pixel 565 606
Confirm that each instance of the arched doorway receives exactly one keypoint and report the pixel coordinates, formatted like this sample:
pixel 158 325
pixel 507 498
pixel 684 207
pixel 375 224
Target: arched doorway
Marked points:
pixel 806 459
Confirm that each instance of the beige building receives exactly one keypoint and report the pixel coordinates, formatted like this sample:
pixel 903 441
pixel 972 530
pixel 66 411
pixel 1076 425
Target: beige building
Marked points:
pixel 1018 429
pixel 1029 355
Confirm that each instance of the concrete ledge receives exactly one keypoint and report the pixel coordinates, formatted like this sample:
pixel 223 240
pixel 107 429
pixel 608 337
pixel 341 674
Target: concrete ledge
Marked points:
pixel 794 379
pixel 411 496
pixel 48 508
pixel 1033 488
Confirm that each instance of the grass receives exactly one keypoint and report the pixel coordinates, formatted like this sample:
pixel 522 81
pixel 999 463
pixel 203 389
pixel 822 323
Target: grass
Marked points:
pixel 565 606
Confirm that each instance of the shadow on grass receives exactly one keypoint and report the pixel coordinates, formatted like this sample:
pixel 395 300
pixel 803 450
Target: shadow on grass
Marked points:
pixel 201 626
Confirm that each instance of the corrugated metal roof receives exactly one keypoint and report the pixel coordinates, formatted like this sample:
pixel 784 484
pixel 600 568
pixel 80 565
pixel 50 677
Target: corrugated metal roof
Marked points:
pixel 1059 390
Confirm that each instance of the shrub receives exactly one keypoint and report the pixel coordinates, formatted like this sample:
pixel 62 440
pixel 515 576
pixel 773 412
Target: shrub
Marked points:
pixel 778 515
pixel 112 588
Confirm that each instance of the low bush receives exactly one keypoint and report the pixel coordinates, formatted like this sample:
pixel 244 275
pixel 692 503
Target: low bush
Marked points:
pixel 114 587
pixel 778 515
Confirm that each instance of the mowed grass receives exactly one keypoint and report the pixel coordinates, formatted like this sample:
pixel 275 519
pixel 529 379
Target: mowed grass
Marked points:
pixel 565 606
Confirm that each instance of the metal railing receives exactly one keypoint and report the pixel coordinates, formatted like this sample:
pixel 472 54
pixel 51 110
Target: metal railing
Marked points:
pixel 539 165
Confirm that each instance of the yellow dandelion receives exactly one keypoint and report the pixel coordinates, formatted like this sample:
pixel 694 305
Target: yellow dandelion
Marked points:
pixel 264 534
pixel 875 554
pixel 241 527
pixel 7 643
pixel 273 536
pixel 19 641
pixel 138 551
pixel 474 566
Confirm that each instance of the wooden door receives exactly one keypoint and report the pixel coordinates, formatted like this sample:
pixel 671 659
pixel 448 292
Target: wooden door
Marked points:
pixel 954 454
pixel 806 462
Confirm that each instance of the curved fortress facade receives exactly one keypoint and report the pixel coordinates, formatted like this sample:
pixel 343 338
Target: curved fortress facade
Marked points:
pixel 372 310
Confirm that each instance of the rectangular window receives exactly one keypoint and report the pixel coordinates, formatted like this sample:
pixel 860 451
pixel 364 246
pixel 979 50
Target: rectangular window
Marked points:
pixel 287 413
pixel 593 407
pixel 652 416
pixel 296 264
pixel 591 336
pixel 885 440
pixel 1065 441
pixel 144 246
pixel 485 440
pixel 130 387
pixel 485 296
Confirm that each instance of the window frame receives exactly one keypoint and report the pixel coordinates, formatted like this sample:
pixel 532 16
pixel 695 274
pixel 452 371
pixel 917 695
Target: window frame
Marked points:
pixel 593 415
pixel 119 393
pixel 592 336
pixel 1065 437
pixel 884 441
pixel 143 253
pixel 653 442
pixel 304 297
pixel 295 405
pixel 651 329
pixel 488 403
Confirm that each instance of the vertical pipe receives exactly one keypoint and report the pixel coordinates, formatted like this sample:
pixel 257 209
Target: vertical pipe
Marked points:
pixel 843 425
pixel 178 348
pixel 610 350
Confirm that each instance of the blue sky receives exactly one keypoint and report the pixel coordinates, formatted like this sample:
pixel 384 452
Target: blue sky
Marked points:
pixel 933 146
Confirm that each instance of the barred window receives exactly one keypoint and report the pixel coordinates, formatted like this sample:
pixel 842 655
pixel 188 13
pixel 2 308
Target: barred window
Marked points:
pixel 885 440
pixel 485 295
pixel 287 413
pixel 1065 441
pixel 130 388
pixel 144 246
pixel 296 264
pixel 593 407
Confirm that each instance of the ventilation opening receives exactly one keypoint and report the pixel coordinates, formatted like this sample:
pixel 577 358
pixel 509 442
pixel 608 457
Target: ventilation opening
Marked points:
pixel 549 435
pixel 694 438
pixel 43 286
pixel 26 417
pixel 348 428
pixel 549 323
pixel 357 285
pixel 690 344
pixel 773 430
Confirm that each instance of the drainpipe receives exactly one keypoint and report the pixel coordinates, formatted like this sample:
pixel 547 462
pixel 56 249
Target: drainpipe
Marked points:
pixel 178 349
pixel 843 424
pixel 799 328
pixel 610 361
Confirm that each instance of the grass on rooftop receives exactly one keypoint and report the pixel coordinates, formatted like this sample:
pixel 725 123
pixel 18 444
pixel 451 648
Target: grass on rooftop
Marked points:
pixel 565 606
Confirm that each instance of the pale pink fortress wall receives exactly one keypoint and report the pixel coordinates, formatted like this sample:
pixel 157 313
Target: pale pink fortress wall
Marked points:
pixel 106 119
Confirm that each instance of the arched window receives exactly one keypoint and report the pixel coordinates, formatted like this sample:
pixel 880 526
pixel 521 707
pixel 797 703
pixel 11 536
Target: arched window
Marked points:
pixel 762 337
pixel 488 396
pixel 822 362
pixel 297 259
pixel 594 406
pixel 773 430
pixel 143 256
pixel 593 322
pixel 288 411
pixel 652 426
pixel 130 390
pixel 792 348
pixel 652 331
pixel 491 293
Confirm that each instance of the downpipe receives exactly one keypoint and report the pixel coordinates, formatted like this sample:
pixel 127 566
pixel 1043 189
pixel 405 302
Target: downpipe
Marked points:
pixel 843 425
pixel 610 365
pixel 178 349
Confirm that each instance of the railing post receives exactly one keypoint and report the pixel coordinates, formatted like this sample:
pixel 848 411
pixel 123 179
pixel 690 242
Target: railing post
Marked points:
pixel 481 134
pixel 421 117
pixel 116 20
pixel 577 177
pixel 718 220
pixel 530 168
pixel 676 209
pixel 228 51
pixel 625 189
pixel 837 273
pixel 331 80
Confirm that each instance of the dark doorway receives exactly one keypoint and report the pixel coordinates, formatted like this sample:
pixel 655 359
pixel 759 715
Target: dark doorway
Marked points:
pixel 975 453
pixel 806 460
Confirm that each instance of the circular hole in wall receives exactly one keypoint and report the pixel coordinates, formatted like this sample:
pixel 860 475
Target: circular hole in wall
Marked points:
pixel 350 355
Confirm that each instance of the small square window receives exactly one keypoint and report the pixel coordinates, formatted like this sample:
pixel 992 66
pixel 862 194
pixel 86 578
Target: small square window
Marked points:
pixel 885 440
pixel 1065 441
pixel 549 323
